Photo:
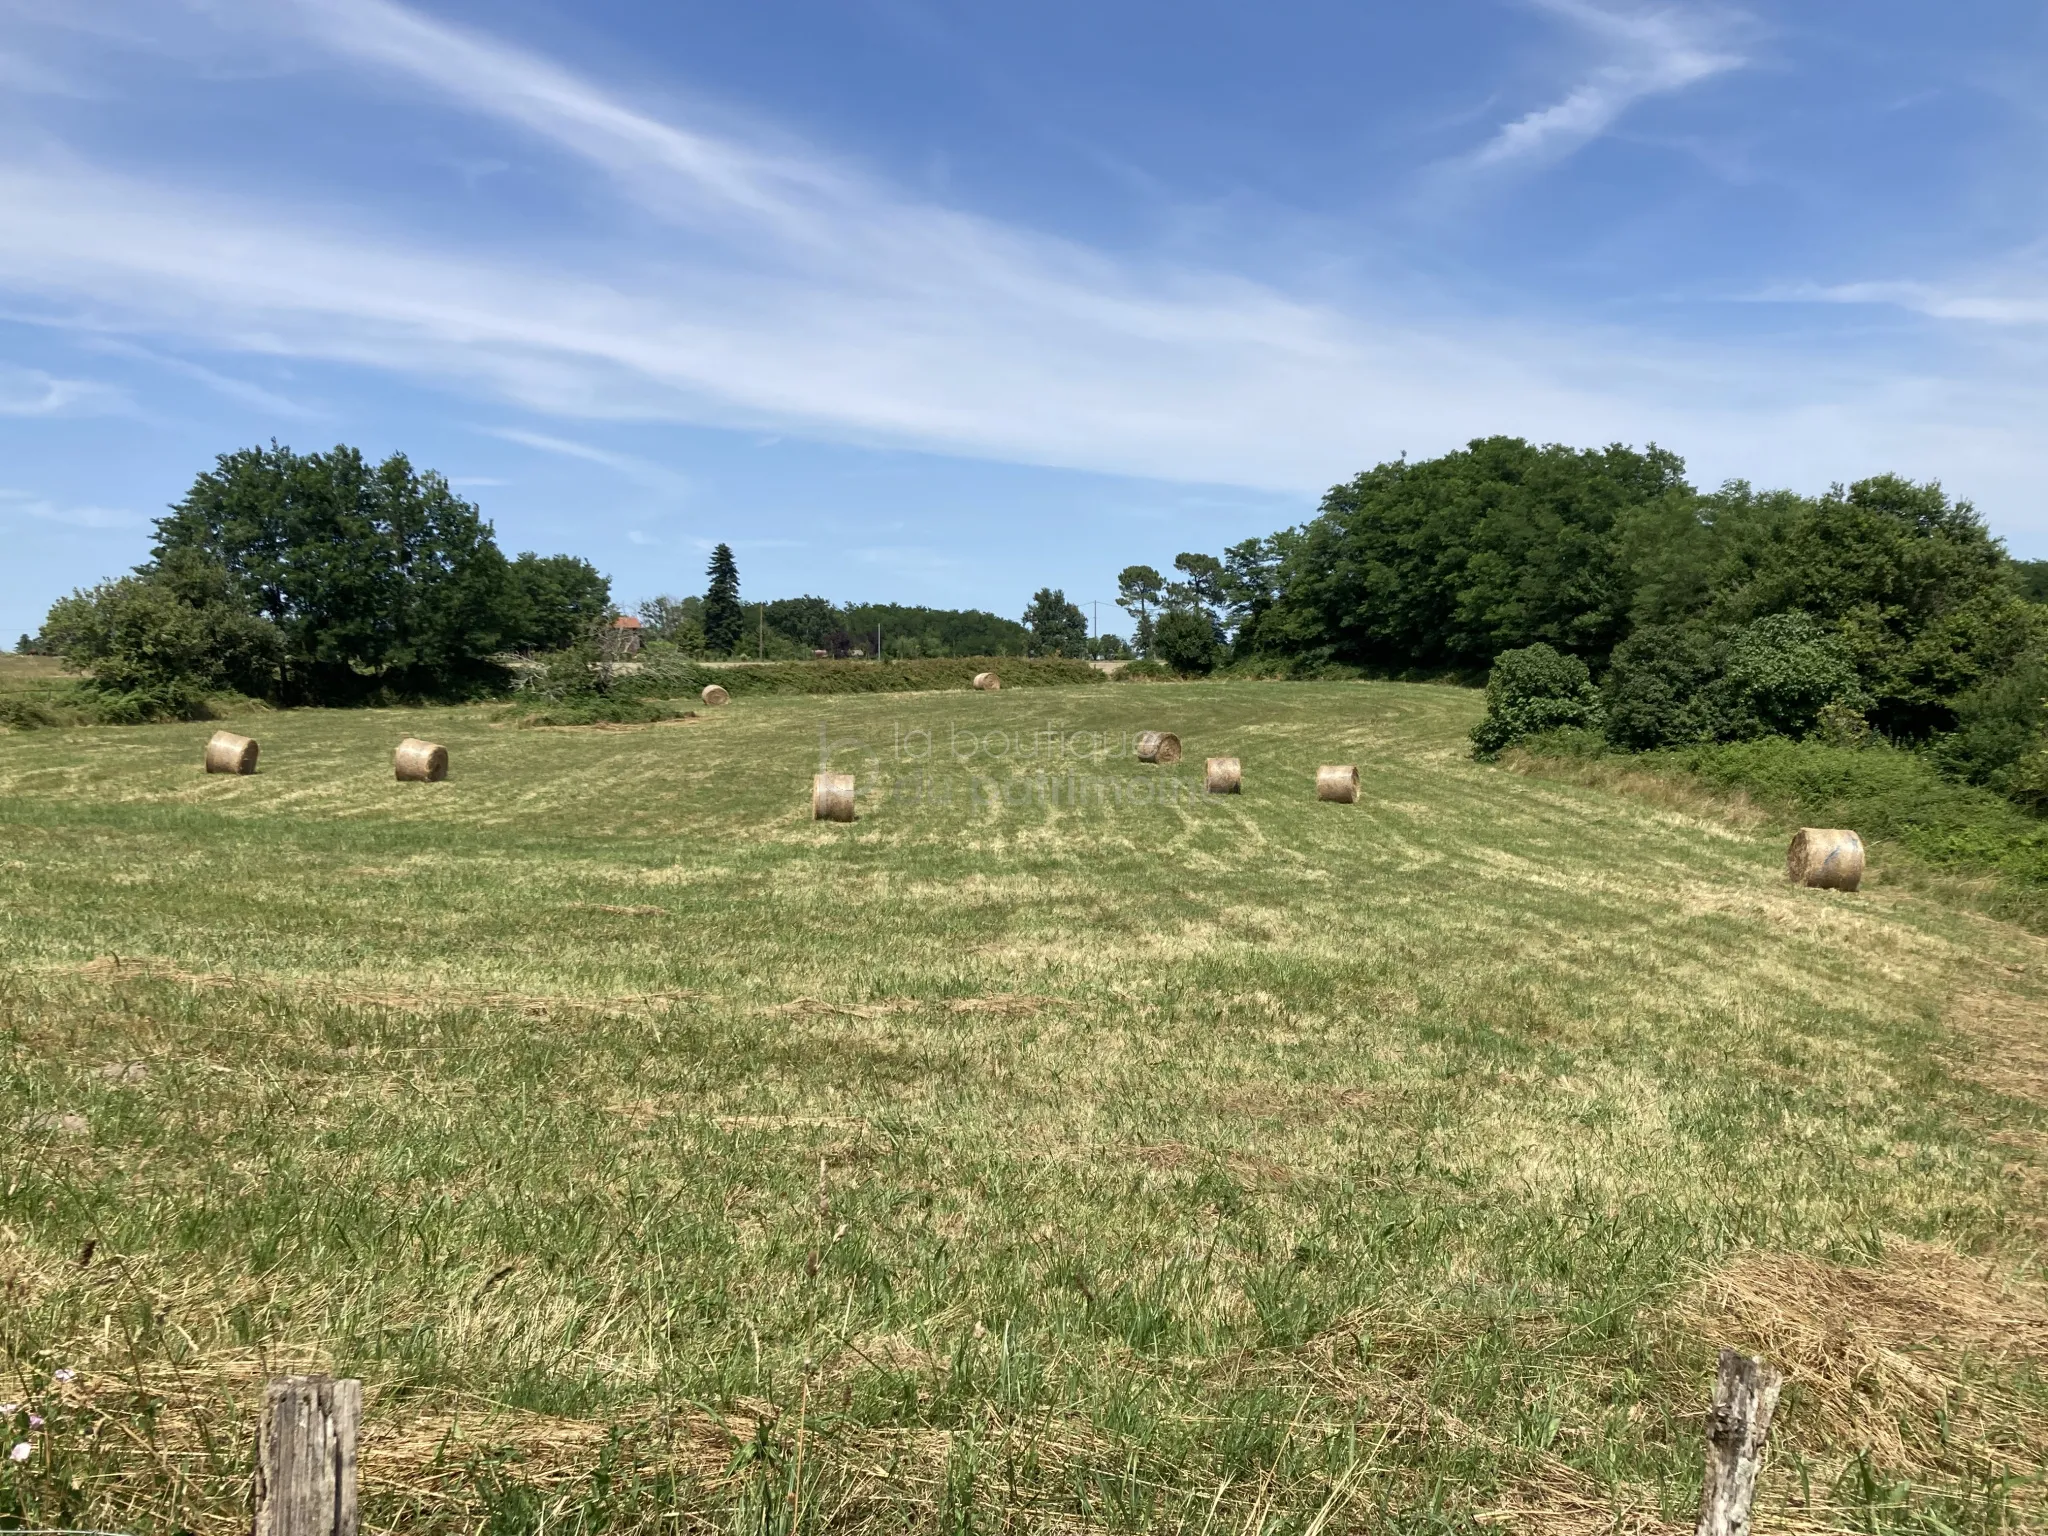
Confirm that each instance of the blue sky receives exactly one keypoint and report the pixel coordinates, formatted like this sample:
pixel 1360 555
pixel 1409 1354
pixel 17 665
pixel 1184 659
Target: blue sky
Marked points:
pixel 941 302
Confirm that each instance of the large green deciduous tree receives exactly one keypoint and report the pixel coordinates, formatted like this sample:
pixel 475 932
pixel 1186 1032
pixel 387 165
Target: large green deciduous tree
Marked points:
pixel 1058 627
pixel 1444 564
pixel 376 576
pixel 554 600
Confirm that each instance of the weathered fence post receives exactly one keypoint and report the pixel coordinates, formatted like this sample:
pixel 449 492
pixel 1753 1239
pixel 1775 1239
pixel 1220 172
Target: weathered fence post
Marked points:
pixel 1745 1397
pixel 306 1457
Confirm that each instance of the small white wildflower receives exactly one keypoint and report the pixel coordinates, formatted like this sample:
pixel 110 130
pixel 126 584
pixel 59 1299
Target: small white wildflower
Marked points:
pixel 35 1421
pixel 21 1452
pixel 66 1374
pixel 7 1410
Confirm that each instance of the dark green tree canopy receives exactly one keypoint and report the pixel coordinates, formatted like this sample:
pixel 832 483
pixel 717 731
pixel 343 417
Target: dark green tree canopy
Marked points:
pixel 1185 639
pixel 1058 628
pixel 1442 565
pixel 553 600
pixel 375 576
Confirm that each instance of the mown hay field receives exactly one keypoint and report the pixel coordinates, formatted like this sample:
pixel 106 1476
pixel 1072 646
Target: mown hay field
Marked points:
pixel 1053 1148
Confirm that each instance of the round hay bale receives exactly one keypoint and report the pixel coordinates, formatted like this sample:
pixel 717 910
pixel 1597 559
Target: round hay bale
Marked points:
pixel 1827 858
pixel 420 762
pixel 228 753
pixel 987 682
pixel 1338 782
pixel 832 797
pixel 1158 747
pixel 713 694
pixel 1224 776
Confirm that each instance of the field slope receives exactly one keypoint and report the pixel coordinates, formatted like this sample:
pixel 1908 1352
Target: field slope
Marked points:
pixel 1053 1148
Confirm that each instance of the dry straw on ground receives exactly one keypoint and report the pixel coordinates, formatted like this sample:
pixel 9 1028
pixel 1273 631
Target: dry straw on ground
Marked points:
pixel 1160 747
pixel 1224 775
pixel 1827 858
pixel 832 797
pixel 228 753
pixel 713 694
pixel 420 762
pixel 1338 782
pixel 987 682
pixel 1890 1357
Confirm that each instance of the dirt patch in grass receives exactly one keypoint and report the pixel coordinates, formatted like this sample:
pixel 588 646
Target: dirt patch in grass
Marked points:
pixel 144 968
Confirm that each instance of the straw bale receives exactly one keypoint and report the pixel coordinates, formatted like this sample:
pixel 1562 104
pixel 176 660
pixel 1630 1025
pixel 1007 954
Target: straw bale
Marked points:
pixel 713 694
pixel 1827 858
pixel 1224 776
pixel 832 797
pixel 1160 747
pixel 987 682
pixel 228 753
pixel 420 762
pixel 1338 782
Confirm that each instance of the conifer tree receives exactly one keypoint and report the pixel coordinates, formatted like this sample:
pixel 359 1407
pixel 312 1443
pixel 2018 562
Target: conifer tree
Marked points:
pixel 724 620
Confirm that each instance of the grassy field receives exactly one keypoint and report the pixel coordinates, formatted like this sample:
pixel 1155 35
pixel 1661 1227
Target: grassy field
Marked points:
pixel 1036 1153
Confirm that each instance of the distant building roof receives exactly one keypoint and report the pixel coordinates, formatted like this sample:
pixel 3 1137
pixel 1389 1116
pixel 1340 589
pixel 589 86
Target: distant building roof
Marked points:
pixel 625 621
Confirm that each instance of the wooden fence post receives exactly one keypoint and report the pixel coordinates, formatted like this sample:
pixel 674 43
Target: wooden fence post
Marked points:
pixel 306 1457
pixel 1745 1397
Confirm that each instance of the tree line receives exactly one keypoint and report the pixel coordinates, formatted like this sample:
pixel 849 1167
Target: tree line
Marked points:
pixel 1599 590
pixel 325 579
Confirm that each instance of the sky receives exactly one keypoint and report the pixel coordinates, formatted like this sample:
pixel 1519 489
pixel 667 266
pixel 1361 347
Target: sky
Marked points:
pixel 942 301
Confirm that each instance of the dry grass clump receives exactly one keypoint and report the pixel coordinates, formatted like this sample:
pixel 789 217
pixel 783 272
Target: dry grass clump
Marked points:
pixel 1668 791
pixel 2011 1038
pixel 1908 1361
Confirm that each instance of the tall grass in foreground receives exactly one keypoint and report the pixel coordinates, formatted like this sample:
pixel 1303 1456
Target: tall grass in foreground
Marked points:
pixel 1046 1150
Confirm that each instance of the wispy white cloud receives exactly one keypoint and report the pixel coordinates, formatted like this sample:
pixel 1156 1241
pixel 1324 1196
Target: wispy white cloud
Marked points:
pixel 31 392
pixel 2007 304
pixel 1646 51
pixel 644 471
pixel 241 391
pixel 44 509
pixel 779 290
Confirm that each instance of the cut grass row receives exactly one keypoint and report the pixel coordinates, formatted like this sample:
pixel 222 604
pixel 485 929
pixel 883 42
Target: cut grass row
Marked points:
pixel 1150 1162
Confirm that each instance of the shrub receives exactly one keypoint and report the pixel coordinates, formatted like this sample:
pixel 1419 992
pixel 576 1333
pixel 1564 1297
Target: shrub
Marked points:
pixel 1532 690
pixel 1884 792
pixel 161 644
pixel 1146 671
pixel 1662 690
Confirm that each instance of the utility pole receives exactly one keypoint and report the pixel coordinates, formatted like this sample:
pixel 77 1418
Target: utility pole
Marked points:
pixel 761 635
